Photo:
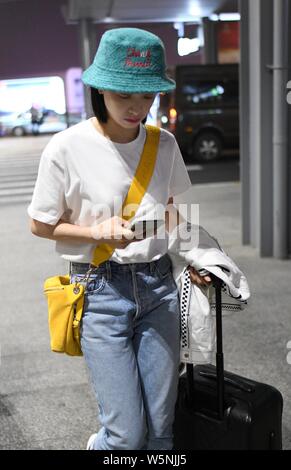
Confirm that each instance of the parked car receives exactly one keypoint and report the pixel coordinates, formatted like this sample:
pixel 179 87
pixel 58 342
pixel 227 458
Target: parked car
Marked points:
pixel 15 124
pixel 204 111
pixel 20 124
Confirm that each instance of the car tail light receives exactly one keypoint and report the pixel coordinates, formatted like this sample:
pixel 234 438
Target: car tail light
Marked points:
pixel 173 115
pixel 172 119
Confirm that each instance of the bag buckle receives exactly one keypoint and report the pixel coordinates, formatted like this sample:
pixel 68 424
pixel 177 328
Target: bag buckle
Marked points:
pixel 85 279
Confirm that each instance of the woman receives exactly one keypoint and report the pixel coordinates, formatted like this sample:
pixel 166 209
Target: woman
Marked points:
pixel 130 332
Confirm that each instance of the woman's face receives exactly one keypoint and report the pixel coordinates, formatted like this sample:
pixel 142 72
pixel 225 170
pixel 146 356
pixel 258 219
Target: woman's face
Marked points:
pixel 127 110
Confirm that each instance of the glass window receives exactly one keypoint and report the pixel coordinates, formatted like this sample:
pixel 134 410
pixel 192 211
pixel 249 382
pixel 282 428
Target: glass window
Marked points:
pixel 214 92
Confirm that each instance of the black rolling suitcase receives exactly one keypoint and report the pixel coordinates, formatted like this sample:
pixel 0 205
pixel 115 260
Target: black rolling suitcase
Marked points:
pixel 218 410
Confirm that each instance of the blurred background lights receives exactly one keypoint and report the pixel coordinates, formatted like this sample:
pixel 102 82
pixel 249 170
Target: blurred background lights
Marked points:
pixel 195 10
pixel 187 46
pixel 18 95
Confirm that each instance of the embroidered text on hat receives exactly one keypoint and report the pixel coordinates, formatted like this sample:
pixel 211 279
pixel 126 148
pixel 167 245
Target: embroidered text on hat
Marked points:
pixel 133 54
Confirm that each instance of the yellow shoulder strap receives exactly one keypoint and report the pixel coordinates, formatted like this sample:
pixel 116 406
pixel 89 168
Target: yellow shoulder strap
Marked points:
pixel 137 189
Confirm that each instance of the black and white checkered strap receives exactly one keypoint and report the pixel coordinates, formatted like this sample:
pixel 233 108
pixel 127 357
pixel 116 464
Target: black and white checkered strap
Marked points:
pixel 185 295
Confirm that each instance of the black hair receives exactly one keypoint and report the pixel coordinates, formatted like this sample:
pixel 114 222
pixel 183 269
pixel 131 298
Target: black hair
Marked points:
pixel 99 108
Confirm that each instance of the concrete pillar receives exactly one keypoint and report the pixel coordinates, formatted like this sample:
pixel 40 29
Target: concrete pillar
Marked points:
pixel 210 41
pixel 88 46
pixel 289 128
pixel 280 166
pixel 261 127
pixel 244 108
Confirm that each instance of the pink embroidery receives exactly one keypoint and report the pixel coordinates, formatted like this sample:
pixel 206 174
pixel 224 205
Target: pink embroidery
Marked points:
pixel 130 63
pixel 132 53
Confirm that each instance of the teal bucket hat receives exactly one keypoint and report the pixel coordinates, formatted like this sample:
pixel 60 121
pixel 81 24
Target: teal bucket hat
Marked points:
pixel 129 60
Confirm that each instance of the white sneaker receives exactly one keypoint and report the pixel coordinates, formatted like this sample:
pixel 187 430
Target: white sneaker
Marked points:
pixel 91 442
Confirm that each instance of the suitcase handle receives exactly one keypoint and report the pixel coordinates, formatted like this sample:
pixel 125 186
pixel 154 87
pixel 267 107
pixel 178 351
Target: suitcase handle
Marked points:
pixel 217 283
pixel 233 382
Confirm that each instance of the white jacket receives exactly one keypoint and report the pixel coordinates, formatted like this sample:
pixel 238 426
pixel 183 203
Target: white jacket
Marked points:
pixel 197 304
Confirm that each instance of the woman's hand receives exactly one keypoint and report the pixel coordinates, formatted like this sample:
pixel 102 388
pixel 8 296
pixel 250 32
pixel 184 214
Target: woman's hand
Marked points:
pixel 200 281
pixel 114 232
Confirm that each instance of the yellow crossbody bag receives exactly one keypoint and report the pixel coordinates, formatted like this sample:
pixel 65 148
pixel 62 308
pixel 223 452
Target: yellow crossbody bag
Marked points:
pixel 65 299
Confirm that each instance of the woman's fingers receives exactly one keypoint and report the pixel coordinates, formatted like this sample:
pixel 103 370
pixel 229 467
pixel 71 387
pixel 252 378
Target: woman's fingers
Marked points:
pixel 197 279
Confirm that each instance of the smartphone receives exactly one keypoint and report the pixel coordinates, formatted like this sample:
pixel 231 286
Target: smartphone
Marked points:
pixel 146 228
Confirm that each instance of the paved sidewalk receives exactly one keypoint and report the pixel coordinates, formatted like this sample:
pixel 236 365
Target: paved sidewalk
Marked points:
pixel 45 399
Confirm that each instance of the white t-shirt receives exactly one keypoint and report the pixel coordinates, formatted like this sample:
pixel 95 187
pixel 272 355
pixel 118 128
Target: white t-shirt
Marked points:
pixel 82 172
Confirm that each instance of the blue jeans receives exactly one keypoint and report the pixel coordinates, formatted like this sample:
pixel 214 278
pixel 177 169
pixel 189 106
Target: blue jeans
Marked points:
pixel 130 338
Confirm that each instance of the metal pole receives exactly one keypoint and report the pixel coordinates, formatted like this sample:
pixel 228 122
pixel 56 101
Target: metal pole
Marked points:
pixel 280 154
pixel 210 41
pixel 86 47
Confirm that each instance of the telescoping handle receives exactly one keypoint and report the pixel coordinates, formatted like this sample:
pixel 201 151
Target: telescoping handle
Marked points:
pixel 217 283
pixel 219 346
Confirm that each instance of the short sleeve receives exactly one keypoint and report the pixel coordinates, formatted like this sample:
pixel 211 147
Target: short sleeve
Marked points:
pixel 179 181
pixel 48 200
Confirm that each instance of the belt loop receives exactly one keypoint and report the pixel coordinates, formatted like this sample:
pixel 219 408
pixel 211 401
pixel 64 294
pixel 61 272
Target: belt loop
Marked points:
pixel 70 268
pixel 108 270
